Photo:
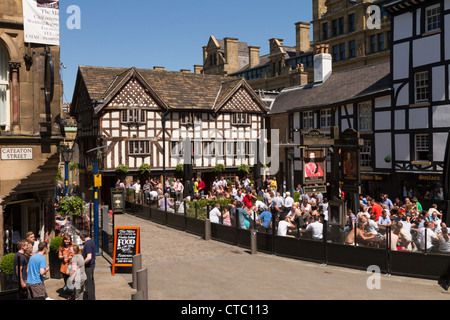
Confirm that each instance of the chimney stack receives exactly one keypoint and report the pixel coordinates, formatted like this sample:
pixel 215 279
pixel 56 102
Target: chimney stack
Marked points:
pixel 198 69
pixel 231 53
pixel 253 55
pixel 323 62
pixel 302 32
pixel 156 68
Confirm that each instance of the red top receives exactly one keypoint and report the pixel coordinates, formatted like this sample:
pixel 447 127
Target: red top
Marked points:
pixel 201 186
pixel 247 200
pixel 376 210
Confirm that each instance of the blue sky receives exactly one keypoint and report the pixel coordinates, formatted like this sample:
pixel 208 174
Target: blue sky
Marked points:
pixel 147 33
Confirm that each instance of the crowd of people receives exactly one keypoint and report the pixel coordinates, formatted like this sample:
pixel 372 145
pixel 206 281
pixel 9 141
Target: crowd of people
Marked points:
pixel 77 267
pixel 410 227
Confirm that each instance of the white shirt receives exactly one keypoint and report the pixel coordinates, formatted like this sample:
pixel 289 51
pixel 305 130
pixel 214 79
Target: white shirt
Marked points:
pixel 260 205
pixel 430 236
pixel 316 229
pixel 282 228
pixel 288 202
pixel 325 210
pixel 372 226
pixel 214 215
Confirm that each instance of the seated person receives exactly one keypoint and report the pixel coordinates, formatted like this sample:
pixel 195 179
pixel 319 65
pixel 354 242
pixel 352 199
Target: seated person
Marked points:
pixel 361 236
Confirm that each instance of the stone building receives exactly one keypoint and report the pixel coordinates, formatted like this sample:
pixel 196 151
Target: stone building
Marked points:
pixel 284 66
pixel 353 37
pixel 30 131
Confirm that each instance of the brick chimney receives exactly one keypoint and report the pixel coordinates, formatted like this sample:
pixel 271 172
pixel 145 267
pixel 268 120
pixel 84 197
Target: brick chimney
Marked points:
pixel 302 32
pixel 253 55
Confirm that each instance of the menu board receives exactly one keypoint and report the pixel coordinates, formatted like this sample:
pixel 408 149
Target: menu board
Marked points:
pixel 126 245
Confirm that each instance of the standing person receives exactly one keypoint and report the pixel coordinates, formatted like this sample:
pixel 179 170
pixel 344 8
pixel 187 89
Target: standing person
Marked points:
pixel 88 254
pixel 288 202
pixel 75 189
pixel 201 187
pixel 37 268
pixel 376 209
pixel 20 268
pixel 179 190
pixel 31 238
pixel 215 214
pixel 78 275
pixel 64 255
pixel 265 218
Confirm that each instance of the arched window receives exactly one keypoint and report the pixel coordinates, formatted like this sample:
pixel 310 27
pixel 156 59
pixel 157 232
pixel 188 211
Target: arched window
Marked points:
pixel 4 89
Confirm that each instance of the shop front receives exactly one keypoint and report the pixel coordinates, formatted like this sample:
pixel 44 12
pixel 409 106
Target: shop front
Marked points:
pixel 374 184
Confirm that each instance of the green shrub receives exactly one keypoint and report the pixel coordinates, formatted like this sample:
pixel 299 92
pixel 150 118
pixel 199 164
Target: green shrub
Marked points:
pixel 219 168
pixel 7 264
pixel 121 168
pixel 144 168
pixel 55 243
pixel 71 206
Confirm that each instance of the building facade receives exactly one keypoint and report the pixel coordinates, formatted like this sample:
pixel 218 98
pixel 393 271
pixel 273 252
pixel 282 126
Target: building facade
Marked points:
pixel 420 76
pixel 348 28
pixel 145 116
pixel 342 99
pixel 284 66
pixel 29 130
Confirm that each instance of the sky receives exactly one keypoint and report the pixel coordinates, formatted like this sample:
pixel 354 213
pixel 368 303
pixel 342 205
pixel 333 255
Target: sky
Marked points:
pixel 171 33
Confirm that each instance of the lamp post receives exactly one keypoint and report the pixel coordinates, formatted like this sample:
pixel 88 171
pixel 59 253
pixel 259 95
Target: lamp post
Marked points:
pixel 95 154
pixel 67 155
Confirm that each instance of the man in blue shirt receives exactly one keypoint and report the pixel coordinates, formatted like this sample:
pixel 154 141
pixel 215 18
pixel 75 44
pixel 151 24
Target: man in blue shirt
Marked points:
pixel 387 202
pixel 264 221
pixel 37 268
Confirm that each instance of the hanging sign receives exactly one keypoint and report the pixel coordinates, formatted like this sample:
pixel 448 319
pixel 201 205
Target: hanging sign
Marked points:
pixel 126 245
pixel 41 21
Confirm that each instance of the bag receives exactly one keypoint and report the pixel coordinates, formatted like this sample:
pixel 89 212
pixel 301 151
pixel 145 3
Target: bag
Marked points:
pixel 70 286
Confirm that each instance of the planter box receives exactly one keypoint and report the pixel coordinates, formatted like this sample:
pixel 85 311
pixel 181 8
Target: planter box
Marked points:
pixel 6 282
pixel 55 265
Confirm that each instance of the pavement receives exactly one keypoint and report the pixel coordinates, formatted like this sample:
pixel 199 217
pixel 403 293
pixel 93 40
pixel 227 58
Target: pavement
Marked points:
pixel 183 266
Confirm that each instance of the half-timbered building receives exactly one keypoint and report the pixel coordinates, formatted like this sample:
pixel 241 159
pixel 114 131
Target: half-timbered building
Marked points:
pixel 357 98
pixel 145 116
pixel 420 73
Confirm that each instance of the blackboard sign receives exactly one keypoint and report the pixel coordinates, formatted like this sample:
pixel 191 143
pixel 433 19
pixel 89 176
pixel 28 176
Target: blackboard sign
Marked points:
pixel 126 245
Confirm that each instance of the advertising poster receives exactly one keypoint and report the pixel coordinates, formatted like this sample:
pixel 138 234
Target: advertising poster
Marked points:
pixel 314 166
pixel 350 165
pixel 126 245
pixel 41 21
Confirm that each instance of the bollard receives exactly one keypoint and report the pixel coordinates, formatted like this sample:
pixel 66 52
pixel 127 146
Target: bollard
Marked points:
pixel 207 229
pixel 253 242
pixel 139 295
pixel 142 282
pixel 137 265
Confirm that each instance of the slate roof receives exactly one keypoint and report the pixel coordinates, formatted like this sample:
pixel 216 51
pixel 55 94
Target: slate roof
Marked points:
pixel 176 90
pixel 340 87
